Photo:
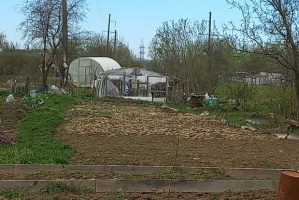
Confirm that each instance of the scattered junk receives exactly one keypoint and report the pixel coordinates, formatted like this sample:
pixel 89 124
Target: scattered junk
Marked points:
pixel 224 121
pixel 196 101
pixel 10 98
pixel 105 87
pixel 291 125
pixel 249 127
pixel 206 97
pixel 258 121
pixel 33 93
pixel 169 108
pixel 205 113
pixel 212 101
pixel 53 89
pixel 5 139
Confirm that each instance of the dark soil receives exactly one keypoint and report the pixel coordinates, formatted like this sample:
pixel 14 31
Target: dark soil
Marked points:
pixel 244 195
pixel 10 115
pixel 73 174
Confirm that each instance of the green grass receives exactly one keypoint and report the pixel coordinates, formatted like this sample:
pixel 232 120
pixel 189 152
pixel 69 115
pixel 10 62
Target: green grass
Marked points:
pixel 36 142
pixel 4 93
pixel 117 196
pixel 12 193
pixel 59 187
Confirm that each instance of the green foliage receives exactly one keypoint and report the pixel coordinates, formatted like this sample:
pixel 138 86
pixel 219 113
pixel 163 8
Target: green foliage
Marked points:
pixel 12 194
pixel 263 99
pixel 179 173
pixel 59 187
pixel 37 100
pixel 17 62
pixel 242 93
pixel 4 93
pixel 54 188
pixel 117 196
pixel 36 142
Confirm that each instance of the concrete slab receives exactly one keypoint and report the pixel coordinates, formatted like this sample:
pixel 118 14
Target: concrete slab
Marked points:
pixel 239 173
pixel 126 169
pixel 202 186
pixel 253 173
pixel 35 185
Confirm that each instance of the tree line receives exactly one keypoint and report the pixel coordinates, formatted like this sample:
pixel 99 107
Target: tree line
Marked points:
pixel 266 40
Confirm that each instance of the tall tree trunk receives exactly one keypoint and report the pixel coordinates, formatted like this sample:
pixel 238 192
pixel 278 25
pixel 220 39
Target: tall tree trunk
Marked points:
pixel 296 88
pixel 44 65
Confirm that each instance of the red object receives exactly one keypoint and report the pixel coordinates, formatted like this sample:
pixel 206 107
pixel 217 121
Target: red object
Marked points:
pixel 288 186
pixel 64 58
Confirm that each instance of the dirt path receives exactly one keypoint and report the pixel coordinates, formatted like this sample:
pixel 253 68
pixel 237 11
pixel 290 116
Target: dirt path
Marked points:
pixel 10 115
pixel 106 133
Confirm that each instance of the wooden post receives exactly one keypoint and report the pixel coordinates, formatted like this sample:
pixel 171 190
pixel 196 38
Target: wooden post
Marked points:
pixel 137 87
pixel 147 79
pixel 166 95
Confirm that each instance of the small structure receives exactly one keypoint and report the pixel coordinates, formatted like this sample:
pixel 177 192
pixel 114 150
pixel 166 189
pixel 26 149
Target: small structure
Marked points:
pixel 84 71
pixel 139 83
pixel 262 78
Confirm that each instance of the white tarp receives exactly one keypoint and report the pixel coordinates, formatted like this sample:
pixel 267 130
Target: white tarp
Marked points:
pixel 143 75
pixel 105 87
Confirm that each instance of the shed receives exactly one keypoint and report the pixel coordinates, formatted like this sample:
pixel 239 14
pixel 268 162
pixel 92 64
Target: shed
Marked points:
pixel 139 83
pixel 84 70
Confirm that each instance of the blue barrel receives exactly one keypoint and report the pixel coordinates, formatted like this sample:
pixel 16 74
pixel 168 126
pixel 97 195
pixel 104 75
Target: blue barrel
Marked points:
pixel 213 101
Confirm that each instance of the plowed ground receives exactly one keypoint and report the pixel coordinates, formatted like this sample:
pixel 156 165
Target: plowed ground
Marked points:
pixel 109 133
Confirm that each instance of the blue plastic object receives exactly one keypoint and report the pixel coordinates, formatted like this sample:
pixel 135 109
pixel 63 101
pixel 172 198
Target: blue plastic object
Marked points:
pixel 213 101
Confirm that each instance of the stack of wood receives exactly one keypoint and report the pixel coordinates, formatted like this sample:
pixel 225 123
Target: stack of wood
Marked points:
pixel 292 124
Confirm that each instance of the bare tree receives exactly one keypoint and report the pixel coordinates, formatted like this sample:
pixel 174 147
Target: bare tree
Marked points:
pixel 3 42
pixel 182 51
pixel 43 26
pixel 91 44
pixel 272 27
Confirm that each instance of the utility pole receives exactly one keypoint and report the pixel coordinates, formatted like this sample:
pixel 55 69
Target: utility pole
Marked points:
pixel 108 35
pixel 115 38
pixel 64 31
pixel 209 42
pixel 210 33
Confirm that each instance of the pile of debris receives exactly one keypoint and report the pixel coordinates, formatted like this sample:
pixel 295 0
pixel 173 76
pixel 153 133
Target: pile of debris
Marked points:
pixel 6 139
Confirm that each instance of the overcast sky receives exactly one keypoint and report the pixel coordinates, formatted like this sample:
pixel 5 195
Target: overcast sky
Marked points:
pixel 135 19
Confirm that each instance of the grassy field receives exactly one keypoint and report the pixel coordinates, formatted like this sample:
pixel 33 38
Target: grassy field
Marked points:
pixel 35 141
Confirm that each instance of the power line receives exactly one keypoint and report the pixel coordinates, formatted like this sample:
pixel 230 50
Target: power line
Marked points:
pixel 99 10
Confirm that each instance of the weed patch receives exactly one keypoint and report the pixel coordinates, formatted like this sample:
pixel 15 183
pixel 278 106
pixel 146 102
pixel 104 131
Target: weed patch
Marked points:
pixel 12 194
pixel 36 142
pixel 59 187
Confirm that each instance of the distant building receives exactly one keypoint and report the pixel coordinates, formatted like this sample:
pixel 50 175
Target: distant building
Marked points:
pixel 263 78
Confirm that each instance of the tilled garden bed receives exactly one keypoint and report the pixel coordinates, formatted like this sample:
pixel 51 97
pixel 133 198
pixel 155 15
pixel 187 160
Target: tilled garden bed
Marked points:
pixel 109 133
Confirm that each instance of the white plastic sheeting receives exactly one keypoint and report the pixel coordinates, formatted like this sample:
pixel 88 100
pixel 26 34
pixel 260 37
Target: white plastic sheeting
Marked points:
pixel 84 70
pixel 105 87
pixel 143 75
